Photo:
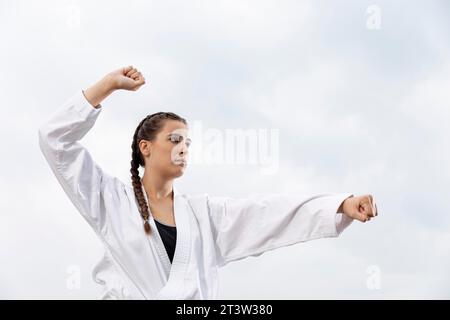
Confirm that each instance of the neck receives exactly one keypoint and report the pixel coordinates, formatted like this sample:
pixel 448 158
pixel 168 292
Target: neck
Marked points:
pixel 157 187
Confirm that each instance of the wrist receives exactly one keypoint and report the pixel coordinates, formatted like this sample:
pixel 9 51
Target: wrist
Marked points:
pixel 109 83
pixel 345 205
pixel 99 91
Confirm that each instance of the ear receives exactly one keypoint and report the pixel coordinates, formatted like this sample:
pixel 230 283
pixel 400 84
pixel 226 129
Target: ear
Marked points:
pixel 145 147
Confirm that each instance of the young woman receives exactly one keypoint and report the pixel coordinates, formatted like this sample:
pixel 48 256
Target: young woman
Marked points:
pixel 160 243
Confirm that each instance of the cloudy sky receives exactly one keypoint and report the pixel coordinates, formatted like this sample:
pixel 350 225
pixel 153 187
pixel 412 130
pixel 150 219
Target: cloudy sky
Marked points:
pixel 357 91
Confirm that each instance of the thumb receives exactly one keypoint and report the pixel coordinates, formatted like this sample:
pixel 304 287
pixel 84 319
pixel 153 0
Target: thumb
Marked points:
pixel 361 217
pixel 366 206
pixel 361 213
pixel 140 80
pixel 138 83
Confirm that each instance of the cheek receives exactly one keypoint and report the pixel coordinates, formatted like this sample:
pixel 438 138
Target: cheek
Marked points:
pixel 164 155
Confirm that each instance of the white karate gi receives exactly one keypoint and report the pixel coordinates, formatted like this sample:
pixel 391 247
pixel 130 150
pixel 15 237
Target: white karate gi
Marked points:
pixel 211 231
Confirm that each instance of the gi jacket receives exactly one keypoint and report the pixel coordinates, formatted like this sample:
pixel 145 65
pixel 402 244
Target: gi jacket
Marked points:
pixel 211 231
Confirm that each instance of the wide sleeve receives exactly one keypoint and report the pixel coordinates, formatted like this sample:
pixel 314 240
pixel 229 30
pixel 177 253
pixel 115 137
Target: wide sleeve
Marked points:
pixel 261 222
pixel 79 175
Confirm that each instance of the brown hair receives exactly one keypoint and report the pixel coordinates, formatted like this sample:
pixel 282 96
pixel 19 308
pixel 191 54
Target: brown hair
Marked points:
pixel 147 129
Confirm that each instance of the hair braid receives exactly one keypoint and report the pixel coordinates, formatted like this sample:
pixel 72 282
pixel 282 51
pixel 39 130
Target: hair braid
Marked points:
pixel 147 129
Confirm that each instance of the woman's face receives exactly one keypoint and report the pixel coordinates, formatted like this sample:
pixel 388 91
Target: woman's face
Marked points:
pixel 167 153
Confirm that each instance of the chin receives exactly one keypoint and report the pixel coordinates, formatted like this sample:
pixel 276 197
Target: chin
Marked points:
pixel 179 174
pixel 179 171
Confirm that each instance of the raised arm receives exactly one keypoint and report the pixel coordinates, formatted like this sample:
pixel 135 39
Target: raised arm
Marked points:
pixel 80 176
pixel 254 225
pixel 127 78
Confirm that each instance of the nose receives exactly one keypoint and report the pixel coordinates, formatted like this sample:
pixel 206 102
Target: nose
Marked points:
pixel 184 150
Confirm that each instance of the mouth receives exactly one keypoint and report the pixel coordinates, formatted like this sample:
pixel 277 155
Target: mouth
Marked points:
pixel 181 163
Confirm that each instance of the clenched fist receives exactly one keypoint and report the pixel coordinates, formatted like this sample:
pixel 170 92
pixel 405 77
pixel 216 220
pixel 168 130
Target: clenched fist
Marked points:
pixel 127 78
pixel 362 208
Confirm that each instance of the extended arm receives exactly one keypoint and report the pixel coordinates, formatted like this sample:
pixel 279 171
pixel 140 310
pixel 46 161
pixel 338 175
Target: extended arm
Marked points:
pixel 254 225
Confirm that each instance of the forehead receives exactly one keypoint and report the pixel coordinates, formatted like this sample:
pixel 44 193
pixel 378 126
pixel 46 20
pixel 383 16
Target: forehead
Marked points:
pixel 174 125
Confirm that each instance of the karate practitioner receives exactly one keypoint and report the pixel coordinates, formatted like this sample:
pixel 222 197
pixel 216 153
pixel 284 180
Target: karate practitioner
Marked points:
pixel 161 243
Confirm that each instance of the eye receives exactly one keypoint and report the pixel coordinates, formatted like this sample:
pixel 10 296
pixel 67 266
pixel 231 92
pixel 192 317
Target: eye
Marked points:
pixel 176 138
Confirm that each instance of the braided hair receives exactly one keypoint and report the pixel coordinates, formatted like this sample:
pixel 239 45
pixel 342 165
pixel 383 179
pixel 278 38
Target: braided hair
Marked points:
pixel 147 129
